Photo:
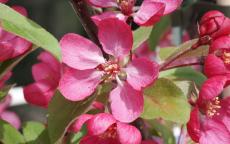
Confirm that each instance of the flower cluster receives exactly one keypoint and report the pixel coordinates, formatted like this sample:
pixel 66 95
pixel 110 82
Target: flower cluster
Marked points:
pixel 209 121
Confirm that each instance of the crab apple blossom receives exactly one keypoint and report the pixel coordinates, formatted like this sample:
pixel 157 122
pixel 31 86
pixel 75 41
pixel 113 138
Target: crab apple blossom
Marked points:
pixel 46 75
pixel 149 12
pixel 87 68
pixel 209 123
pixel 103 128
pixel 10 44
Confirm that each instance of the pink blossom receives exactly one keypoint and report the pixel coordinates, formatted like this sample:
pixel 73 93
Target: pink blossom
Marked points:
pixel 10 44
pixel 103 128
pixel 46 75
pixel 149 12
pixel 3 1
pixel 9 116
pixel 209 122
pixel 87 68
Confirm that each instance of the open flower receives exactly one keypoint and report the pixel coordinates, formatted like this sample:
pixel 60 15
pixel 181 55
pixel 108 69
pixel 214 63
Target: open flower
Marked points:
pixel 103 128
pixel 147 14
pixel 87 68
pixel 209 122
pixel 10 44
pixel 46 75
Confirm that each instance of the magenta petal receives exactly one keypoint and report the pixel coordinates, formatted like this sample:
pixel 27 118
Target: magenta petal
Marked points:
pixel 214 66
pixel 126 103
pixel 141 72
pixel 6 51
pixel 214 132
pixel 108 14
pixel 103 3
pixel 128 134
pixel 20 10
pixel 100 123
pixel 193 126
pixel 77 125
pixel 20 46
pixel 212 87
pixel 3 1
pixel 50 60
pixel 76 85
pixel 221 43
pixel 149 13
pixel 115 37
pixel 39 93
pixel 170 5
pixel 11 118
pixel 80 53
pixel 149 142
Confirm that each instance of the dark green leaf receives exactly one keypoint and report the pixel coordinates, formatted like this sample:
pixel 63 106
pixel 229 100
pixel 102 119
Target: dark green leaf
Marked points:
pixel 62 113
pixel 165 100
pixel 9 135
pixel 26 28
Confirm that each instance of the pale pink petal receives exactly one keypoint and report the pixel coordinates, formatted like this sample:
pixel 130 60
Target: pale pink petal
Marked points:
pixel 170 5
pixel 149 13
pixel 5 103
pixel 214 132
pixel 39 93
pixel 212 87
pixel 50 60
pixel 115 37
pixel 77 125
pixel 80 53
pixel 126 103
pixel 214 66
pixel 103 3
pixel 100 123
pixel 108 14
pixel 141 72
pixel 3 1
pixel 11 118
pixel 128 134
pixel 21 10
pixel 6 51
pixel 77 85
pixel 193 126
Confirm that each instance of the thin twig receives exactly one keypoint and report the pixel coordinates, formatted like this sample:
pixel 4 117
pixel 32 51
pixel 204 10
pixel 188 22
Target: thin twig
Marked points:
pixel 182 65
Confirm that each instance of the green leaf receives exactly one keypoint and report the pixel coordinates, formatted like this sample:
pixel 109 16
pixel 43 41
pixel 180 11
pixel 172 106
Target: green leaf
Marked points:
pixel 164 99
pixel 62 113
pixel 16 23
pixel 166 52
pixel 185 86
pixel 43 138
pixel 162 131
pixel 32 130
pixel 9 135
pixel 140 35
pixel 4 91
pixel 158 31
pixel 184 73
pixel 75 138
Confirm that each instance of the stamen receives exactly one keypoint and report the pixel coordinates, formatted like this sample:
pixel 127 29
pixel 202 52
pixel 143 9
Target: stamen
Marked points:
pixel 110 69
pixel 226 57
pixel 213 107
pixel 111 132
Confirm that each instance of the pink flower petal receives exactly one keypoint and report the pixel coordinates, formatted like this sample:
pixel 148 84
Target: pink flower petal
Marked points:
pixel 5 103
pixel 100 123
pixel 77 125
pixel 149 13
pixel 193 126
pixel 128 134
pixel 50 60
pixel 20 46
pixel 212 87
pixel 103 3
pixel 39 93
pixel 170 5
pixel 11 118
pixel 214 132
pixel 108 14
pixel 126 103
pixel 20 10
pixel 3 1
pixel 80 53
pixel 144 51
pixel 214 66
pixel 141 72
pixel 98 140
pixel 115 37
pixel 148 142
pixel 220 43
pixel 5 78
pixel 6 51
pixel 77 85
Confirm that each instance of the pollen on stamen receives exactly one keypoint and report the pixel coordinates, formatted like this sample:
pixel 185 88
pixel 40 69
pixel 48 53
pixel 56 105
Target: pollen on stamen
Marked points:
pixel 110 69
pixel 111 132
pixel 213 107
pixel 226 57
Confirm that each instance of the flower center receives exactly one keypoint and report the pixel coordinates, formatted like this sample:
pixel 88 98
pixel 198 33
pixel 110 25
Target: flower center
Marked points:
pixel 126 6
pixel 213 107
pixel 110 68
pixel 110 133
pixel 226 57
